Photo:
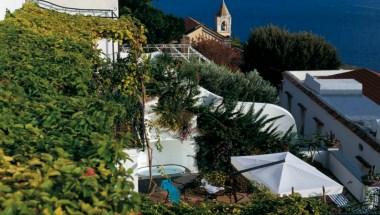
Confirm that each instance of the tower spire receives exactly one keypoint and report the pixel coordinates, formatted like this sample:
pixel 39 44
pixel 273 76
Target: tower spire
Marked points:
pixel 223 11
pixel 223 20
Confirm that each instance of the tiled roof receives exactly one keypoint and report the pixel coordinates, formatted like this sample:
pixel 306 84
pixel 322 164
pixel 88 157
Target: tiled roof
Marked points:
pixel 370 81
pixel 192 24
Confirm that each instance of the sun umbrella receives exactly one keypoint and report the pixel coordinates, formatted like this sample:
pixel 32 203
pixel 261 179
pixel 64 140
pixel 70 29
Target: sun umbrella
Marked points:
pixel 284 173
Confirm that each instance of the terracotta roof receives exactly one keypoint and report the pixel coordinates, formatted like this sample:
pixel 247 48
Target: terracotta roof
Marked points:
pixel 191 24
pixel 370 81
pixel 223 11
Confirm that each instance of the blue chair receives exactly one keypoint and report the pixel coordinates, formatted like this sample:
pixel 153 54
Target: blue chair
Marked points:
pixel 174 195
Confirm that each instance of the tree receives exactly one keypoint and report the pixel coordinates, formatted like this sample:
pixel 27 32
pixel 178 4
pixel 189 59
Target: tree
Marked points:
pixel 226 132
pixel 272 50
pixel 162 28
pixel 177 91
pixel 221 54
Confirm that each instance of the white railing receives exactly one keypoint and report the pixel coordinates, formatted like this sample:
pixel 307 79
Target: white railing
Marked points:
pixel 89 12
pixel 178 51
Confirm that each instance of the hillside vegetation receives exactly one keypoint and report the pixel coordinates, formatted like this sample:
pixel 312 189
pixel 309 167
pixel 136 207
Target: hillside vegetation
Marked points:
pixel 59 146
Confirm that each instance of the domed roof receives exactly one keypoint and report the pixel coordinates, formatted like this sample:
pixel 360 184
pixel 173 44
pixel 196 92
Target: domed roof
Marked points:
pixel 223 11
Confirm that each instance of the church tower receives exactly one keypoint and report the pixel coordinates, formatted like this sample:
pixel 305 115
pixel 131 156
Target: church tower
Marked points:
pixel 224 21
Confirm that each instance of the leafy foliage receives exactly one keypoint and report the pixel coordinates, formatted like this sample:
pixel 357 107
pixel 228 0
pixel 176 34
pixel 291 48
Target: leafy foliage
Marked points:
pixel 266 203
pixel 177 91
pixel 60 151
pixel 79 28
pixel 236 86
pixel 272 50
pixel 261 203
pixel 216 178
pixel 220 54
pixel 225 132
pixel 162 28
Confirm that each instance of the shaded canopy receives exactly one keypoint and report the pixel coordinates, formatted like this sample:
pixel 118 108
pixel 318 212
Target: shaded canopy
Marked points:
pixel 282 177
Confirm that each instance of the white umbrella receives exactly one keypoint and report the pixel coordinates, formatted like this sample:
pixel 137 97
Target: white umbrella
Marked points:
pixel 286 175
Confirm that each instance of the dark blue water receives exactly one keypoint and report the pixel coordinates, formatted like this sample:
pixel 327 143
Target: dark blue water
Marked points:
pixel 353 26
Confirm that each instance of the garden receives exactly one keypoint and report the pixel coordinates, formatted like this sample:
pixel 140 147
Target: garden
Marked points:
pixel 66 117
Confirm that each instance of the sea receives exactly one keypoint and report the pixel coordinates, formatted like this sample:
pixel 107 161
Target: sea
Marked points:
pixel 352 26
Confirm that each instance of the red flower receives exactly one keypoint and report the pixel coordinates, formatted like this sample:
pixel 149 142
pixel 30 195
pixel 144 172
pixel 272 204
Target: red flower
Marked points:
pixel 90 172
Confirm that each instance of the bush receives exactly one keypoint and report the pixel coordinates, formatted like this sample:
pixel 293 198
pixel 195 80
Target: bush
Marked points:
pixel 243 87
pixel 162 28
pixel 220 54
pixel 216 178
pixel 177 93
pixel 267 203
pixel 176 85
pixel 225 132
pixel 272 50
pixel 59 151
pixel 262 203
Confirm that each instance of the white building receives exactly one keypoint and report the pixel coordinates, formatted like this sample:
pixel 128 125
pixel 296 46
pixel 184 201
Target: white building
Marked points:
pixel 346 106
pixel 177 154
pixel 101 8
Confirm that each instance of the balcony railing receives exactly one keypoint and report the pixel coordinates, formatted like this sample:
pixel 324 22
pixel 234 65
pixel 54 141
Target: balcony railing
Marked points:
pixel 177 51
pixel 91 12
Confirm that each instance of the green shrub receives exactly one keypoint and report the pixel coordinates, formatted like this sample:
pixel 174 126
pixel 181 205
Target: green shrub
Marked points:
pixel 262 203
pixel 176 91
pixel 59 148
pixel 267 203
pixel 225 132
pixel 272 50
pixel 204 208
pixel 216 178
pixel 162 28
pixel 237 86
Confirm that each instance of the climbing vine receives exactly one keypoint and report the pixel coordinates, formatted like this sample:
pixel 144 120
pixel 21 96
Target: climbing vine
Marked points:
pixel 62 130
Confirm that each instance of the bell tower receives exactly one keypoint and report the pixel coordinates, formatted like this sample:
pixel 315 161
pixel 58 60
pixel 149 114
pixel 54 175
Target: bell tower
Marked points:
pixel 224 21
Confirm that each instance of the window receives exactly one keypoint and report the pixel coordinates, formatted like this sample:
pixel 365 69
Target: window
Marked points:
pixel 361 147
pixel 224 26
pixel 289 100
pixel 302 118
pixel 318 125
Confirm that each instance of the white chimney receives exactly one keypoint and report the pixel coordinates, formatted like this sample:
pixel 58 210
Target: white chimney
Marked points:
pixel 337 87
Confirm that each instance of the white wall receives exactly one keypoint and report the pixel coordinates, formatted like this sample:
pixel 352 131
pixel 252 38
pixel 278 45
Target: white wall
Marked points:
pixel 89 4
pixel 82 4
pixel 345 176
pixel 173 152
pixel 132 163
pixel 108 48
pixel 349 140
pixel 11 5
pixel 282 124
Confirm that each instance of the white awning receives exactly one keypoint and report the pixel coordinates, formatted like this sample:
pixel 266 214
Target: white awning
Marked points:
pixel 281 178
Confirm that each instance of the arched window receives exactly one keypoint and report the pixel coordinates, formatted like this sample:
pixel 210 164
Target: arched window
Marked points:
pixel 223 27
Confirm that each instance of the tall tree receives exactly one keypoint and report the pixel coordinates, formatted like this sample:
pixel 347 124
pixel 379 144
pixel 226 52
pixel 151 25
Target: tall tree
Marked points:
pixel 272 50
pixel 162 28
